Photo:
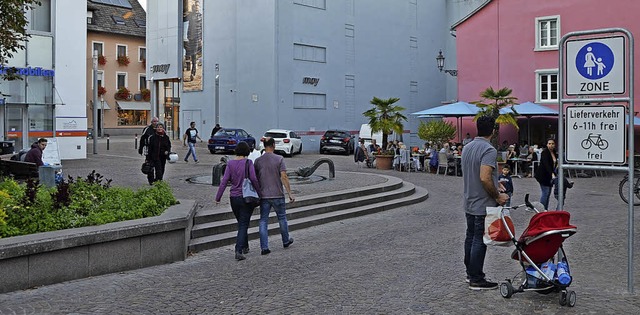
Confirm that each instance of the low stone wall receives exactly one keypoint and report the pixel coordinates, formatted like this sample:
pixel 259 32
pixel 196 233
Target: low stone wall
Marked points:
pixel 51 257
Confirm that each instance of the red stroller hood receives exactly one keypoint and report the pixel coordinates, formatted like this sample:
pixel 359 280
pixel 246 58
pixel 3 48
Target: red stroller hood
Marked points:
pixel 547 221
pixel 544 236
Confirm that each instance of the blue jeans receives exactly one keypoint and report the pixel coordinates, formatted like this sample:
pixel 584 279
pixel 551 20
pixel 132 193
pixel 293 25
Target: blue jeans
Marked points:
pixel 242 213
pixel 278 206
pixel 546 193
pixel 192 151
pixel 474 247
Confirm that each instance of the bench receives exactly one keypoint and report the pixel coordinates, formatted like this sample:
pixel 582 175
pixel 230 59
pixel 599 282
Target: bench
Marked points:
pixel 18 169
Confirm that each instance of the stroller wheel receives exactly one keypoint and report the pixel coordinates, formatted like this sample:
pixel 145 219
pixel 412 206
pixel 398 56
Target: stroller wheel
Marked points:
pixel 563 298
pixel 506 289
pixel 571 298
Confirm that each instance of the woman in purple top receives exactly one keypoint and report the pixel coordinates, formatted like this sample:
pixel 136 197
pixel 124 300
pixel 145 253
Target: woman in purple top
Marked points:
pixel 234 173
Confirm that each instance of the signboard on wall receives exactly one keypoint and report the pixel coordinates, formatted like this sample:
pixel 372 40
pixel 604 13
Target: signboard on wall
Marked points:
pixel 164 56
pixel 596 134
pixel 192 41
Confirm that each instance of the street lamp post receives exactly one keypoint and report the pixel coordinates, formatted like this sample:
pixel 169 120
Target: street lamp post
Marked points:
pixel 217 96
pixel 95 102
pixel 102 117
pixel 440 63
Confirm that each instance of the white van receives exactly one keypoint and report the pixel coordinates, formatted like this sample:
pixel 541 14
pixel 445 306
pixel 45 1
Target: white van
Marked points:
pixel 365 133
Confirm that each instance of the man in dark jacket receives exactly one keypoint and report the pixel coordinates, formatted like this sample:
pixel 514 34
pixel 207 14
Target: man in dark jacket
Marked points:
pixel 159 148
pixel 146 133
pixel 35 154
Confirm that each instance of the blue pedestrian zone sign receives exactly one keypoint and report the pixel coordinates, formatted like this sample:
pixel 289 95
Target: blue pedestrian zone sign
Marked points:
pixel 595 60
pixel 595 66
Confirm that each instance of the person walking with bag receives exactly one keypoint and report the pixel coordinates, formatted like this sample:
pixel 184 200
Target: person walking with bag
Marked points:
pixel 480 177
pixel 272 174
pixel 159 147
pixel 235 173
pixel 191 136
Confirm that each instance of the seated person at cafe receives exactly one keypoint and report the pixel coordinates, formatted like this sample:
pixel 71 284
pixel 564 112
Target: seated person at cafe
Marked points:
pixel 373 146
pixel 531 157
pixel 35 154
pixel 511 154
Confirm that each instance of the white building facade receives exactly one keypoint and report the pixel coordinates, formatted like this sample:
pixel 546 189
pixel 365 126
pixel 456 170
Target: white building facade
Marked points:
pixel 49 100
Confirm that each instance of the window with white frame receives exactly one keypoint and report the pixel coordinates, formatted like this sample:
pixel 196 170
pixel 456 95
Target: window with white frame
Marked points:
pixel 142 54
pixel 309 53
pixel 99 47
pixel 100 78
pixel 547 32
pixel 547 86
pixel 121 80
pixel 121 50
pixel 142 81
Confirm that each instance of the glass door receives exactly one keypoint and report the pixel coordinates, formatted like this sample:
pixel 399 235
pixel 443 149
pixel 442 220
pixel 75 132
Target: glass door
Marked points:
pixel 14 122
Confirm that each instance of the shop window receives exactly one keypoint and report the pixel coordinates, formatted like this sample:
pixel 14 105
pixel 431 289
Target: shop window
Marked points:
pixel 132 117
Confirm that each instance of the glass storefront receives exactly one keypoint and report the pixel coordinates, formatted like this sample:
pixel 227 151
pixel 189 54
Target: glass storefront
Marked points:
pixel 132 117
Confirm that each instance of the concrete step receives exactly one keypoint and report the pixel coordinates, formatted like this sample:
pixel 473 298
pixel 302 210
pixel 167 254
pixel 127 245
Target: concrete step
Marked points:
pixel 350 201
pixel 220 214
pixel 295 223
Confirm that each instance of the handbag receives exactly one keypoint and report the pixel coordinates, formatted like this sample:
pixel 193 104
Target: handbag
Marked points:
pixel 495 232
pixel 249 194
pixel 146 167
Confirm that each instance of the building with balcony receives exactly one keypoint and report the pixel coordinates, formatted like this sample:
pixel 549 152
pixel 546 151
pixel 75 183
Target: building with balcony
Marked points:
pixel 116 29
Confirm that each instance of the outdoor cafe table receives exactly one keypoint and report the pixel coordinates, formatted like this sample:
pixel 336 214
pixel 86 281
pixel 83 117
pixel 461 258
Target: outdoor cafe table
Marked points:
pixel 516 162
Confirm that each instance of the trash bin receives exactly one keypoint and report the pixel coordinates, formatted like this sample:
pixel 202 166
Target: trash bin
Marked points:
pixel 6 147
pixel 47 174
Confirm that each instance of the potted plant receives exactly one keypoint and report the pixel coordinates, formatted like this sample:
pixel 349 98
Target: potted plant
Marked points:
pixel 385 117
pixel 123 60
pixel 101 90
pixel 102 60
pixel 122 94
pixel 146 94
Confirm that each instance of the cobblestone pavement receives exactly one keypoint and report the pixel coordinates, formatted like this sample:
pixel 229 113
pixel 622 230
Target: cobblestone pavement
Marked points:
pixel 402 261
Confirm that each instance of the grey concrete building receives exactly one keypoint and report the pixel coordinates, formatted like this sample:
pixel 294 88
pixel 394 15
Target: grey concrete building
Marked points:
pixel 305 65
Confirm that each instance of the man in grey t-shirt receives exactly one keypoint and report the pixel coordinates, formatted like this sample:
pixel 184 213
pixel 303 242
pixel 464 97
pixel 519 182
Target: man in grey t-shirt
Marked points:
pixel 272 174
pixel 480 177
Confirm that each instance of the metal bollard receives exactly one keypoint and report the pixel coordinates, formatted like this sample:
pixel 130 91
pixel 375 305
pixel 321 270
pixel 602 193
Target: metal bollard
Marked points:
pixel 135 145
pixel 108 142
pixel 216 173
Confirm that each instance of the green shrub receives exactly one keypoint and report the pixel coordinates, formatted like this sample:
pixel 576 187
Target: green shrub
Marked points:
pixel 29 208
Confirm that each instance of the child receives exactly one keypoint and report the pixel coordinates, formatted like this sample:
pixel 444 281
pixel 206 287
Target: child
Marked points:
pixel 506 184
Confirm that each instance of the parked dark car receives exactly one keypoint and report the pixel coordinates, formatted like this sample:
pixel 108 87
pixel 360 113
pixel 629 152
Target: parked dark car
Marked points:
pixel 335 140
pixel 226 140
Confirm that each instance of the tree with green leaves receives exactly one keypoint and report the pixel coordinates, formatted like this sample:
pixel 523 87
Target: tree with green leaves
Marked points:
pixel 13 28
pixel 436 132
pixel 491 104
pixel 385 117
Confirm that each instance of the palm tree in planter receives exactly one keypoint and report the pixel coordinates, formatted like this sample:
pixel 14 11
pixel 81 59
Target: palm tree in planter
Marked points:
pixel 385 117
pixel 491 104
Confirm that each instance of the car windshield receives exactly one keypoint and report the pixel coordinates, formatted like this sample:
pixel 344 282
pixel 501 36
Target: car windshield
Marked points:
pixel 336 134
pixel 275 134
pixel 225 133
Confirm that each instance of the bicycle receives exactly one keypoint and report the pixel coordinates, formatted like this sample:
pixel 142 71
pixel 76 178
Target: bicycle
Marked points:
pixel 599 142
pixel 623 188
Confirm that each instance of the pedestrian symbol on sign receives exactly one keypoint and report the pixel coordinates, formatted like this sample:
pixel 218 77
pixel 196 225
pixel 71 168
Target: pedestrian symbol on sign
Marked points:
pixel 594 60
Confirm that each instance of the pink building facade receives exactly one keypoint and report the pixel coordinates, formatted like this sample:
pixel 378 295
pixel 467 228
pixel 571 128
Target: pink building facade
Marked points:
pixel 514 44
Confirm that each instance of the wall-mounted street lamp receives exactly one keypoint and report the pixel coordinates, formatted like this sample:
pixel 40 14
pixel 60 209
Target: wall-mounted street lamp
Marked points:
pixel 440 63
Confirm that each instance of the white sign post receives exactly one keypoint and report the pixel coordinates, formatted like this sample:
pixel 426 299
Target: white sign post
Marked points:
pixel 596 134
pixel 596 66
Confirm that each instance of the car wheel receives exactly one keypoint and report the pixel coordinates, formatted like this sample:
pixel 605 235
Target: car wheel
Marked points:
pixel 212 151
pixel 300 150
pixel 321 151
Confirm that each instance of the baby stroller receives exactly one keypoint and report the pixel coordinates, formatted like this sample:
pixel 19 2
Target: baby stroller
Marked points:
pixel 535 251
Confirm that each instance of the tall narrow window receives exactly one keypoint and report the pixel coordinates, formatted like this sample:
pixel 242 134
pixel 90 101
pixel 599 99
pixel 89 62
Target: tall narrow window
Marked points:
pixel 99 48
pixel 142 54
pixel 121 80
pixel 40 17
pixel 547 86
pixel 547 30
pixel 121 50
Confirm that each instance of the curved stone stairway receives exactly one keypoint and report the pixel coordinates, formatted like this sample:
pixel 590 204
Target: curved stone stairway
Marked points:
pixel 217 227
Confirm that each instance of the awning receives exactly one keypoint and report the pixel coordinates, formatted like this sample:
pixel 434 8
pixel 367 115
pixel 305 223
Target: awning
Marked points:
pixel 106 105
pixel 133 105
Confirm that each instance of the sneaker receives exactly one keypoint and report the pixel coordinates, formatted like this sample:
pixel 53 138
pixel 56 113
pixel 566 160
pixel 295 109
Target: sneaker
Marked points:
pixel 483 285
pixel 239 257
pixel 186 161
pixel 287 244
pixel 197 162
pixel 265 252
pixel 467 279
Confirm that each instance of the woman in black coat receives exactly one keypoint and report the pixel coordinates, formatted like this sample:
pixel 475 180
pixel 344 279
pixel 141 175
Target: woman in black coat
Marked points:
pixel 545 172
pixel 159 148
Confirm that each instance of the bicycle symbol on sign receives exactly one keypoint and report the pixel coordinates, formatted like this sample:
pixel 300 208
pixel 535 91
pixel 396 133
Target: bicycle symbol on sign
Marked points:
pixel 594 139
